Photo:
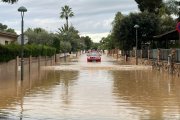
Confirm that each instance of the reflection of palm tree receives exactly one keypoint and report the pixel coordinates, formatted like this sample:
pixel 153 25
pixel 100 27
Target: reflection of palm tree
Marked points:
pixel 9 1
pixel 66 13
pixel 67 79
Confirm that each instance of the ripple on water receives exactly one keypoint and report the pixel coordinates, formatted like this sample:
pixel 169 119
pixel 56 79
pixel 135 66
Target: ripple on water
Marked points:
pixel 97 67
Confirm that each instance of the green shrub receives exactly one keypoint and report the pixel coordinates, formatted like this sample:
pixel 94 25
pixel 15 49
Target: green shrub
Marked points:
pixel 9 52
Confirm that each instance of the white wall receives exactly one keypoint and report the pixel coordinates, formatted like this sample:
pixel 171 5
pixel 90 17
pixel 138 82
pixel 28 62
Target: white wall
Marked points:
pixel 3 39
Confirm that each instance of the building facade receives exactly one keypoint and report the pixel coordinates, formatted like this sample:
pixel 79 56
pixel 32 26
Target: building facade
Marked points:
pixel 7 38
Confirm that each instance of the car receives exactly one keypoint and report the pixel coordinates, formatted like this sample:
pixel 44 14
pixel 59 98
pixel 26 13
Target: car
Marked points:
pixel 93 56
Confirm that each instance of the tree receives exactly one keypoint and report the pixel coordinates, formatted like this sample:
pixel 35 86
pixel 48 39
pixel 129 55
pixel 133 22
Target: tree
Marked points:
pixel 115 30
pixel 9 1
pixel 10 30
pixel 87 42
pixel 167 23
pixel 74 38
pixel 56 44
pixel 124 34
pixel 172 6
pixel 5 28
pixel 71 35
pixel 66 13
pixel 107 43
pixel 65 46
pixel 149 5
pixel 39 36
pixel 96 46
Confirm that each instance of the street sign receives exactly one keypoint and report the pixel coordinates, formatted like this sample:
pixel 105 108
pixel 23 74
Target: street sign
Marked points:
pixel 178 27
pixel 25 39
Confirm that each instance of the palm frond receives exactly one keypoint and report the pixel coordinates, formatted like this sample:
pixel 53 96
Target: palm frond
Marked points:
pixel 9 1
pixel 66 12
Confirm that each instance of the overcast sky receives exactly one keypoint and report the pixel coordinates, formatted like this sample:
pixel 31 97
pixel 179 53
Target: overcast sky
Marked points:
pixel 92 17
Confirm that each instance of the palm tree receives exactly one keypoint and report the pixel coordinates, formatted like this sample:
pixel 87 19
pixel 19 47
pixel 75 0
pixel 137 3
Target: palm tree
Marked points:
pixel 9 1
pixel 66 13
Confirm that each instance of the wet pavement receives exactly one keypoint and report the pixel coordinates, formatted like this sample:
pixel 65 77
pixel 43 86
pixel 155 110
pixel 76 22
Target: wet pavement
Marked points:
pixel 79 90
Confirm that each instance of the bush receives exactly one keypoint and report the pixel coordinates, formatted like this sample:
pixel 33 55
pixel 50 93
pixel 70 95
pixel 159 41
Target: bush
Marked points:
pixel 9 52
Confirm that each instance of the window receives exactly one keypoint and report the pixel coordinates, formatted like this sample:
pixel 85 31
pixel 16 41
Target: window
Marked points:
pixel 6 42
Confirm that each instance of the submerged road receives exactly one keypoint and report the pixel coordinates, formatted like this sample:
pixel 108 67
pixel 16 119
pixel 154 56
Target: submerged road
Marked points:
pixel 78 90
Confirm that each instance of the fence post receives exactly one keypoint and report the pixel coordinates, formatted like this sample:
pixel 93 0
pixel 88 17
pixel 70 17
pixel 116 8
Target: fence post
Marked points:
pixel 141 54
pixel 148 54
pixel 52 60
pixel 45 60
pixel 16 67
pixel 55 58
pixel 158 55
pixel 114 50
pixel 136 56
pixel 30 66
pixel 76 54
pixel 117 54
pixel 39 63
pixel 173 53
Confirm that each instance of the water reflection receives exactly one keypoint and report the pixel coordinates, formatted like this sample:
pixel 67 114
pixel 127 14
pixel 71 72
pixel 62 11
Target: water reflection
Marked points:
pixel 15 94
pixel 155 95
pixel 67 79
pixel 94 93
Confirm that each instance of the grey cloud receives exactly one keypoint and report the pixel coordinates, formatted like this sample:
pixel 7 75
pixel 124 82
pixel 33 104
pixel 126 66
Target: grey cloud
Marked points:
pixel 91 16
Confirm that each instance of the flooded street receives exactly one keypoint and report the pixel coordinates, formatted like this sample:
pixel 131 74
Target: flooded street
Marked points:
pixel 79 90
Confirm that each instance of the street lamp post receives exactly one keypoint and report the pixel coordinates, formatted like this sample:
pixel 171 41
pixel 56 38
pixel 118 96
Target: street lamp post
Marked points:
pixel 22 9
pixel 136 27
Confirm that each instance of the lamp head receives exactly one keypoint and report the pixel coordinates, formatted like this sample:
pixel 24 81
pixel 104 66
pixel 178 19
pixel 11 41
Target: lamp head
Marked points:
pixel 136 26
pixel 22 9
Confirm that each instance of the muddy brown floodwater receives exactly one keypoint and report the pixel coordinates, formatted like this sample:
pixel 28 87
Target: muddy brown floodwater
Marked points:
pixel 79 90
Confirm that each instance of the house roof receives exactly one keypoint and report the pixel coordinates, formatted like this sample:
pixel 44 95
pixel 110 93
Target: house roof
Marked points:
pixel 8 34
pixel 170 35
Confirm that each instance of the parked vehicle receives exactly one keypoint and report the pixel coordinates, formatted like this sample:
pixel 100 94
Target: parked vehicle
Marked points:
pixel 94 56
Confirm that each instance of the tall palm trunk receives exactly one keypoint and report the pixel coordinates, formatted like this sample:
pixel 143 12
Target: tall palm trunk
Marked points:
pixel 67 23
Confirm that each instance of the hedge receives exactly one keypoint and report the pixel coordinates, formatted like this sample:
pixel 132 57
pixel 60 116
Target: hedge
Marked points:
pixel 9 52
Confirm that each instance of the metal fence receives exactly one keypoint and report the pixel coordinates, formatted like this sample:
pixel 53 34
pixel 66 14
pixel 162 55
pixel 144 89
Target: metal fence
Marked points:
pixel 164 53
pixel 132 53
pixel 144 53
pixel 153 54
pixel 139 53
pixel 177 55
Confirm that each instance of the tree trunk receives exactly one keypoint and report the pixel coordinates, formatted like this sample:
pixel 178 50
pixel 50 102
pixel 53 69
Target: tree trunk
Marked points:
pixel 67 23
